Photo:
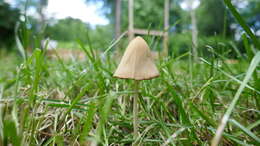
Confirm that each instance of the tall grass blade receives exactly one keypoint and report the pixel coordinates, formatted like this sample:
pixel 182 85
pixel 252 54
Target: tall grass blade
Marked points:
pixel 18 42
pixel 255 61
pixel 231 137
pixel 104 114
pixel 245 130
pixel 1 115
pixel 242 22
pixel 251 126
pixel 174 135
pixel 249 52
pixel 230 76
pixel 115 42
pixel 203 115
pixel 88 121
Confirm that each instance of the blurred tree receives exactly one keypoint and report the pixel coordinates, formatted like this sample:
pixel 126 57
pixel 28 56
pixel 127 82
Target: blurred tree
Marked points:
pixel 42 4
pixel 70 29
pixel 39 6
pixel 147 14
pixel 8 18
pixel 212 18
pixel 252 14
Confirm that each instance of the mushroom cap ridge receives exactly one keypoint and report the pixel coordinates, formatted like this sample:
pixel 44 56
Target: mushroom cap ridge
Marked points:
pixel 137 62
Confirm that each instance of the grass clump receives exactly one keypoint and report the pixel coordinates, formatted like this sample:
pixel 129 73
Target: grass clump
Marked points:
pixel 46 101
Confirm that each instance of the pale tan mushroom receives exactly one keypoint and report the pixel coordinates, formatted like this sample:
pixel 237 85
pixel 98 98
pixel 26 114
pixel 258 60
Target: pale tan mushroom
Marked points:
pixel 137 62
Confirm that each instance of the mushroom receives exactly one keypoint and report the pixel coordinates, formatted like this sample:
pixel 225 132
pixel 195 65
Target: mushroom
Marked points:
pixel 137 63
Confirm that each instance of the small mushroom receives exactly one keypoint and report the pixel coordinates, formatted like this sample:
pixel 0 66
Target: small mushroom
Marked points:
pixel 137 63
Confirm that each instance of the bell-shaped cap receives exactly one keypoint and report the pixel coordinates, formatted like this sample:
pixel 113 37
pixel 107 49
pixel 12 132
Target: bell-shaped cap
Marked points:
pixel 137 62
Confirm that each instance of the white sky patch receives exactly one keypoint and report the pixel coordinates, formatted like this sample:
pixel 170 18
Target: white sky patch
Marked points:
pixel 76 9
pixel 189 4
pixel 60 9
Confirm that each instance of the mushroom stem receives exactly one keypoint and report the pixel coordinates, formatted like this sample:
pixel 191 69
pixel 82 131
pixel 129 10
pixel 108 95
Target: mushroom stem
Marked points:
pixel 135 109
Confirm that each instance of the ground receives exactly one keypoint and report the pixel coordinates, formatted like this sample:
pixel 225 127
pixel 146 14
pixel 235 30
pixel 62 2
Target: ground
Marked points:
pixel 54 101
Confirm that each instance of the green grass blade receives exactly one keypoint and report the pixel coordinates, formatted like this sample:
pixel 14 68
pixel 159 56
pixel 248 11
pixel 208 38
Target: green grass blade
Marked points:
pixel 173 136
pixel 88 121
pixel 251 126
pixel 245 130
pixel 242 22
pixel 37 55
pixel 239 55
pixel 230 76
pixel 203 116
pixel 104 114
pixel 249 52
pixel 115 42
pixel 18 42
pixel 231 137
pixel 255 61
pixel 86 51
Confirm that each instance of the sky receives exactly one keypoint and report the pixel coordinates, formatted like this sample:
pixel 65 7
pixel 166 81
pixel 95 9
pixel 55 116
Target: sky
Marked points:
pixel 77 9
pixel 189 4
pixel 89 13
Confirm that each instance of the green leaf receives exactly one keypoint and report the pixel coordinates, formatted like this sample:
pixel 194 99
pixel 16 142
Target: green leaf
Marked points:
pixel 245 130
pixel 255 61
pixel 242 22
pixel 203 116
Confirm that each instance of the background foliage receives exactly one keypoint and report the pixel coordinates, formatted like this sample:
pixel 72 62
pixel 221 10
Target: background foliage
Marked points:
pixel 53 97
pixel 8 18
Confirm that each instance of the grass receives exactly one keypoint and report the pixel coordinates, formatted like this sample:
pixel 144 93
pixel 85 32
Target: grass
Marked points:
pixel 226 116
pixel 47 101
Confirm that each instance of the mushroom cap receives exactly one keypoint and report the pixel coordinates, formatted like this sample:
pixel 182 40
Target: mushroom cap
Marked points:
pixel 137 62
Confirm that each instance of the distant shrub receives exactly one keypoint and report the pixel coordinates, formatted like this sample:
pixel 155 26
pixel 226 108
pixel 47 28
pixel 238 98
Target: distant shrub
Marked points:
pixel 219 44
pixel 8 18
pixel 181 43
pixel 70 29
